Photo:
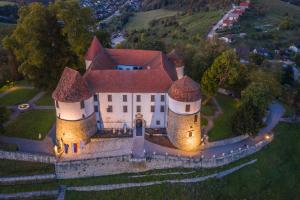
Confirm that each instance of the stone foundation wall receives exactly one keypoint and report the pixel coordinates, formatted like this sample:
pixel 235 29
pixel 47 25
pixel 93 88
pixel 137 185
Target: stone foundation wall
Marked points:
pixel 76 131
pixel 124 164
pixel 22 156
pixel 183 131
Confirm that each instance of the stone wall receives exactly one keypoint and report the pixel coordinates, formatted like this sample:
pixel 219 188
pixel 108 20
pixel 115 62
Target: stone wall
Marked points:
pixel 76 131
pixel 124 164
pixel 183 131
pixel 21 156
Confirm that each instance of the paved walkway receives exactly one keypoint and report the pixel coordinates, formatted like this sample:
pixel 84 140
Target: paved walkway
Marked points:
pixel 276 112
pixel 210 119
pixel 15 179
pixel 30 195
pixel 151 183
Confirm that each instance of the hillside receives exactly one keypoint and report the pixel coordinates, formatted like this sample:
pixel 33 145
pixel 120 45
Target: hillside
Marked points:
pixel 184 4
pixel 264 30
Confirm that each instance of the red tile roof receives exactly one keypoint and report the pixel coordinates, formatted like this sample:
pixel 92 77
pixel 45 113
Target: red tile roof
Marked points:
pixel 185 90
pixel 157 75
pixel 71 87
pixel 94 49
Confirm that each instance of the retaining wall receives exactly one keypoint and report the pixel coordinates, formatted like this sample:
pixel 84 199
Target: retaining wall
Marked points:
pixel 22 156
pixel 124 164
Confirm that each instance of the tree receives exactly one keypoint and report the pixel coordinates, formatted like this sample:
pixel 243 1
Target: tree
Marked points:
pixel 247 119
pixel 77 23
pixel 47 39
pixel 256 58
pixel 224 72
pixel 205 54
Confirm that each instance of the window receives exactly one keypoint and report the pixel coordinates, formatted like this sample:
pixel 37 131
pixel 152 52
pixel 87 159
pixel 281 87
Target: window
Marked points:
pixel 83 116
pixel 190 134
pixel 196 118
pixel 152 108
pixel 187 108
pixel 157 122
pixel 162 108
pixel 162 98
pixel 138 98
pixel 56 103
pixel 95 108
pixel 95 97
pixel 152 98
pixel 138 108
pixel 125 109
pixel 124 98
pixel 109 98
pixel 81 104
pixel 109 109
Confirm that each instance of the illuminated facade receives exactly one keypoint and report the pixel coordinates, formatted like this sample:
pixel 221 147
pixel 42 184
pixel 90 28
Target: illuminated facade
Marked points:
pixel 120 84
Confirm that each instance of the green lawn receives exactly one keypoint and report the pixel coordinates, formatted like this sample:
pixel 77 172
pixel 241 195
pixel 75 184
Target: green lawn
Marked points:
pixel 204 122
pixel 276 176
pixel 46 100
pixel 24 168
pixel 208 109
pixel 222 125
pixel 141 19
pixel 18 96
pixel 31 123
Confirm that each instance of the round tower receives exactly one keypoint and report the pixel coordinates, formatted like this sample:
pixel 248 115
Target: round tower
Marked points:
pixel 184 102
pixel 75 117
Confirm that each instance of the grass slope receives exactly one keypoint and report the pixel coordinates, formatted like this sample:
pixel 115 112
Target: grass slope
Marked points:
pixel 24 168
pixel 275 13
pixel 18 96
pixel 141 19
pixel 222 125
pixel 30 124
pixel 276 176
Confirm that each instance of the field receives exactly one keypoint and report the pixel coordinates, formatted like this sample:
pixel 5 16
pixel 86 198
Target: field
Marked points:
pixel 274 176
pixel 30 124
pixel 141 19
pixel 18 96
pixel 180 28
pixel 222 124
pixel 275 13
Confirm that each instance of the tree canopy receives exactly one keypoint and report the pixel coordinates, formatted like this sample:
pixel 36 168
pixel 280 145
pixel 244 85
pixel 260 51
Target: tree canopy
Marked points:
pixel 49 38
pixel 224 72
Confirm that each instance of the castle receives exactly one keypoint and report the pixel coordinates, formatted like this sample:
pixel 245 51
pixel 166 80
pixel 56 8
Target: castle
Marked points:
pixel 128 90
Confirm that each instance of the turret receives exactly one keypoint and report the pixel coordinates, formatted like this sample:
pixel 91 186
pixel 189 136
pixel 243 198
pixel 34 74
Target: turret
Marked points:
pixel 184 101
pixel 75 122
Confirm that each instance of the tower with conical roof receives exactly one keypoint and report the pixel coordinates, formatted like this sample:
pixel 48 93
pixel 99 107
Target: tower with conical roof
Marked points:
pixel 183 125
